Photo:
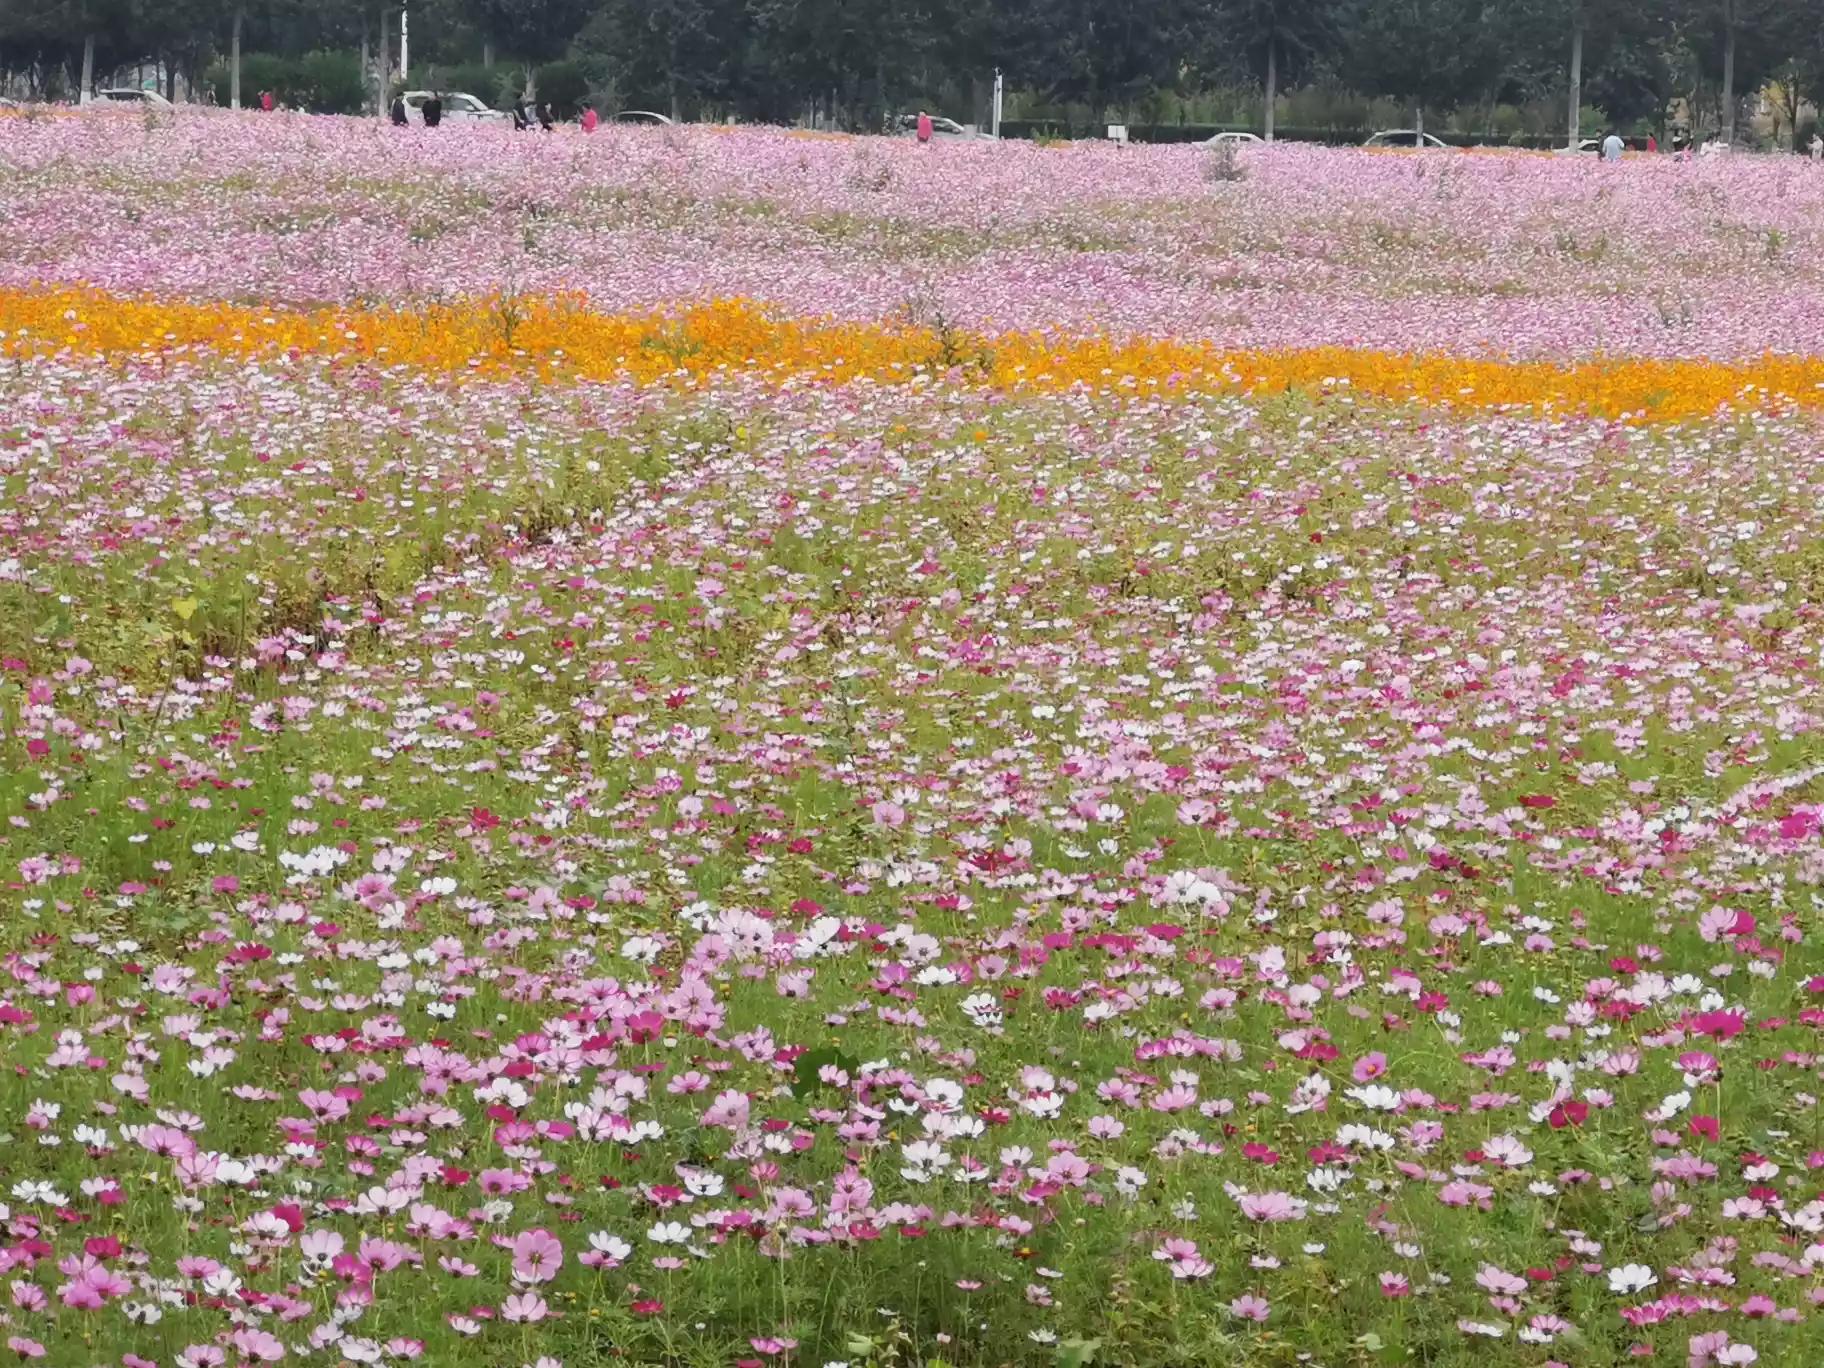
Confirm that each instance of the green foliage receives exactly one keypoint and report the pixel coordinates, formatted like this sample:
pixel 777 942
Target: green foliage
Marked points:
pixel 1073 63
pixel 321 82
pixel 498 84
pixel 564 86
pixel 806 1070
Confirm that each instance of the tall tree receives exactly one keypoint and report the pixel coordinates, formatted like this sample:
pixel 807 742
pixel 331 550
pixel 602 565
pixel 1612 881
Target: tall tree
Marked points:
pixel 1801 76
pixel 1598 29
pixel 664 52
pixel 1423 51
pixel 533 30
pixel 862 55
pixel 1278 40
pixel 1741 43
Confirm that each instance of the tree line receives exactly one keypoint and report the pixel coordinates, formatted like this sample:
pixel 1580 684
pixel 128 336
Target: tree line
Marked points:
pixel 854 61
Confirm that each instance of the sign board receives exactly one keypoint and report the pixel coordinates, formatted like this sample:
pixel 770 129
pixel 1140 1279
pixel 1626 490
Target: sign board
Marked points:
pixel 1117 133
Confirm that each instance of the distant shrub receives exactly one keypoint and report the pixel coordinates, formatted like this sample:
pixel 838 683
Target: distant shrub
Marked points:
pixel 498 84
pixel 564 85
pixel 321 82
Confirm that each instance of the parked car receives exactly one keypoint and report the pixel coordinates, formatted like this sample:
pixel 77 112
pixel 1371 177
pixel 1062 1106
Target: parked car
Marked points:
pixel 640 116
pixel 1233 139
pixel 458 107
pixel 126 96
pixel 906 126
pixel 1404 137
pixel 1587 147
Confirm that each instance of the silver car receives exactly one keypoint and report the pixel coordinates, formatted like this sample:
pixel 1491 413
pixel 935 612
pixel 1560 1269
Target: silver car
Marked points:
pixel 907 127
pixel 458 107
pixel 1405 137
pixel 127 96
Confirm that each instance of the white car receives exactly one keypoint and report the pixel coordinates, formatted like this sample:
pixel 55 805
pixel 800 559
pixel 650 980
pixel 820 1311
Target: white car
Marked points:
pixel 458 107
pixel 1587 147
pixel 126 96
pixel 640 116
pixel 1404 137
pixel 907 127
pixel 1233 139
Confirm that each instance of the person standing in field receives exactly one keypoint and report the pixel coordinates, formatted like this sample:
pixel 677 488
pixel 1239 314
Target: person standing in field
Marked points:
pixel 266 101
pixel 1652 143
pixel 924 127
pixel 590 119
pixel 1816 148
pixel 546 120
pixel 1612 147
pixel 398 112
pixel 432 111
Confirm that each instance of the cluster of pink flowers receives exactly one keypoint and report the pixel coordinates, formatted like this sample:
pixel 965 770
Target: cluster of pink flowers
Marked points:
pixel 1491 253
pixel 504 873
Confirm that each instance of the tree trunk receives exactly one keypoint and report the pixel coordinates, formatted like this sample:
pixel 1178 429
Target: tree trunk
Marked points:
pixel 1728 117
pixel 1267 111
pixel 234 58
pixel 1576 124
pixel 385 83
pixel 88 69
pixel 1418 123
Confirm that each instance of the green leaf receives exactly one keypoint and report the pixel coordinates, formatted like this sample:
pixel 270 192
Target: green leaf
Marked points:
pixel 805 1069
pixel 1077 1353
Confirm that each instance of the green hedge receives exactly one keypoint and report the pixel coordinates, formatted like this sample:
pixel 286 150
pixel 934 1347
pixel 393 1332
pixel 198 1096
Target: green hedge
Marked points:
pixel 321 82
pixel 564 86
pixel 497 84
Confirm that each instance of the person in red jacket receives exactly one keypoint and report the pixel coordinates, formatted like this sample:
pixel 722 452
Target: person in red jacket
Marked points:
pixel 924 127
pixel 590 118
pixel 266 101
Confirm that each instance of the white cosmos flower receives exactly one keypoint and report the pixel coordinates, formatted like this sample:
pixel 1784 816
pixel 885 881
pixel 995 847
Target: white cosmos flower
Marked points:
pixel 1631 1278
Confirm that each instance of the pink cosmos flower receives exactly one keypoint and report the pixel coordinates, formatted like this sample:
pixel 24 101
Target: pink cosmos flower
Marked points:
pixel 1272 1206
pixel 524 1307
pixel 537 1256
pixel 258 1345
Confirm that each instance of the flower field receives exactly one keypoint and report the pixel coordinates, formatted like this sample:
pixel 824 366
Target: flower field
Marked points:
pixel 717 747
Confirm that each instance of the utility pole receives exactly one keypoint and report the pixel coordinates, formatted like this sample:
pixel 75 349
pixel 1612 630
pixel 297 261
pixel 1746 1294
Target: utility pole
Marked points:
pixel 994 117
pixel 404 45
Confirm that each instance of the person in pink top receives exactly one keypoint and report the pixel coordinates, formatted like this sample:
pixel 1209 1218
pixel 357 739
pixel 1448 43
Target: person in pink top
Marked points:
pixel 590 119
pixel 924 127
